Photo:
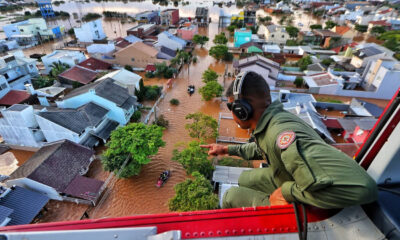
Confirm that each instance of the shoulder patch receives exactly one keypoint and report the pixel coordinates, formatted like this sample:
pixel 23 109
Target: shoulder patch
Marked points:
pixel 285 139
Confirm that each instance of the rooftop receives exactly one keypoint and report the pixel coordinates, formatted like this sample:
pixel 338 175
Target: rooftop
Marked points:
pixel 76 120
pixel 257 59
pixel 342 29
pixel 365 123
pixel 325 33
pixel 320 79
pixel 95 64
pixel 145 27
pixel 121 42
pixel 56 164
pixel 367 52
pixel 85 188
pixel 79 74
pixel 58 54
pixel 50 91
pixel 17 107
pixel 14 97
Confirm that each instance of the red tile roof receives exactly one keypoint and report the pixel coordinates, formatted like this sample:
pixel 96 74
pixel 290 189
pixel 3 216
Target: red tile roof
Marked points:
pixel 150 68
pixel 380 23
pixel 121 43
pixel 95 64
pixel 386 11
pixel 342 29
pixel 79 74
pixel 14 97
pixel 84 187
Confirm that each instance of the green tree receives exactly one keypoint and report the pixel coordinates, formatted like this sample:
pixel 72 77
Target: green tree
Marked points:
pixel 304 62
pixel 193 195
pixel 292 31
pixel 136 116
pixel 174 102
pixel 291 42
pixel 391 44
pixel 141 91
pixel 361 28
pixel 220 38
pixel 209 75
pixel 200 39
pixel 42 81
pixel 378 30
pixel 57 68
pixel 135 141
pixel 203 126
pixel 129 68
pixel 299 82
pixel 218 52
pixel 316 26
pixel 329 24
pixel 231 28
pixel 211 90
pixel 194 159
pixel 327 61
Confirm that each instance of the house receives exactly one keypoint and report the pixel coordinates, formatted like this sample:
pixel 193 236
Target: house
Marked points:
pixel 346 33
pixel 7 45
pixel 241 36
pixel 166 53
pixel 187 33
pixel 324 36
pixel 100 49
pixel 95 65
pixel 249 16
pixel 381 23
pixel 124 78
pixel 271 48
pixel 367 53
pixel 261 65
pixel 19 206
pixel 170 41
pixel 17 70
pixel 202 16
pixel 18 126
pixel 137 55
pixel 107 94
pixel 362 108
pixel 143 30
pixel 382 76
pixel 86 125
pixel 307 37
pixel 54 171
pixel 291 50
pixel 322 83
pixel 148 17
pixel 251 47
pixel 274 34
pixel 77 75
pixel 90 32
pixel 169 17
pixel 29 32
pixel 395 24
pixel 48 94
pixel 362 129
pixel 69 57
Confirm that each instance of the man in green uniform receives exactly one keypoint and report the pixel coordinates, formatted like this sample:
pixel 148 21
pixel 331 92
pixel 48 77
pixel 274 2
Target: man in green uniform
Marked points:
pixel 302 167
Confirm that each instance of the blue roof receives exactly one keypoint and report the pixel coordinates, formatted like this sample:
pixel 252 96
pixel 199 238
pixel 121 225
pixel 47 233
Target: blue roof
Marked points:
pixel 175 38
pixel 133 39
pixel 25 203
pixel 4 213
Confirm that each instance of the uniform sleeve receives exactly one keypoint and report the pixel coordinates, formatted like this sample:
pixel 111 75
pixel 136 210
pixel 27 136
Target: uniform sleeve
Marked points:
pixel 332 187
pixel 246 151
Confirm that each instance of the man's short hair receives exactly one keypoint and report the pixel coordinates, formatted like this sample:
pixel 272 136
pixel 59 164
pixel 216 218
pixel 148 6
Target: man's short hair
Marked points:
pixel 254 88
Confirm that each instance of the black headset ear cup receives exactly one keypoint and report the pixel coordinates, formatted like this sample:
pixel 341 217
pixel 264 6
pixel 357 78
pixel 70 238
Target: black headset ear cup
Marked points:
pixel 242 109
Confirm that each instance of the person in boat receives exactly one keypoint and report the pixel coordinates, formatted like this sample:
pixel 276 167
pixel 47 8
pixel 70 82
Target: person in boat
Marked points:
pixel 164 175
pixel 302 167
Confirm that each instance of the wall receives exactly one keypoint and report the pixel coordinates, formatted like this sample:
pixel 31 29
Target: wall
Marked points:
pixel 12 29
pixel 4 87
pixel 35 186
pixel 54 132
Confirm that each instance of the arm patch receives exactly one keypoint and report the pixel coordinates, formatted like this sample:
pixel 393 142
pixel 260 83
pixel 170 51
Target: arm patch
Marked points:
pixel 285 139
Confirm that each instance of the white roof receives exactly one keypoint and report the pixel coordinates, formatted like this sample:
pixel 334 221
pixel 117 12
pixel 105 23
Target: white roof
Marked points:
pixel 271 48
pixel 49 91
pixel 123 77
pixel 100 48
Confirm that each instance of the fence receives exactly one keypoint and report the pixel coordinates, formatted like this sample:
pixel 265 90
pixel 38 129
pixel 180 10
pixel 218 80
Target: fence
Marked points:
pixel 153 109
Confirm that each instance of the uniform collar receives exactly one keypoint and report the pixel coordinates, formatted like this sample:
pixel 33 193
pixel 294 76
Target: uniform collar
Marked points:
pixel 269 112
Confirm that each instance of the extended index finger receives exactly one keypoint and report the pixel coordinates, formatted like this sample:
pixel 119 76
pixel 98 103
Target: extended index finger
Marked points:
pixel 205 146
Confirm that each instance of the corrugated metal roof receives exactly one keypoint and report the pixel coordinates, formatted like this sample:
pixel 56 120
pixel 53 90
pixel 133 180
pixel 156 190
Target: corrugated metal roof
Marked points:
pixel 25 203
pixel 4 213
pixel 224 174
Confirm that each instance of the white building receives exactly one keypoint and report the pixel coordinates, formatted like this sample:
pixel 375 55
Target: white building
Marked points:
pixel 366 53
pixel 382 75
pixel 18 126
pixel 17 71
pixel 63 56
pixel 170 41
pixel 124 78
pixel 274 34
pixel 90 32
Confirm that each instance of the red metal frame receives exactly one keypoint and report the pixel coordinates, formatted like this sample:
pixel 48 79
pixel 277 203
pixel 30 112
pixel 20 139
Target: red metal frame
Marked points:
pixel 199 224
pixel 370 156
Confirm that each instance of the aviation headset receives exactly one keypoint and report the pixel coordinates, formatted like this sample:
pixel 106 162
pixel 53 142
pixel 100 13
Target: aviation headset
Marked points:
pixel 241 107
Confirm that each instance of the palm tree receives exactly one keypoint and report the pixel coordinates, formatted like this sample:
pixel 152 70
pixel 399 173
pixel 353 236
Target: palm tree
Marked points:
pixel 58 68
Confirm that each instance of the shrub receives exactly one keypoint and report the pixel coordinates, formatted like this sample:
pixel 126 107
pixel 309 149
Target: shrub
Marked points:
pixel 136 116
pixel 129 68
pixel 149 75
pixel 174 101
pixel 161 121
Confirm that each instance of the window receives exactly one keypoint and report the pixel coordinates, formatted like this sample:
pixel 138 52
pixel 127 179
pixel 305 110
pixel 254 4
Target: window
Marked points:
pixel 3 86
pixel 272 35
pixel 27 82
pixel 132 59
pixel 283 36
pixel 6 75
pixel 22 30
pixel 14 30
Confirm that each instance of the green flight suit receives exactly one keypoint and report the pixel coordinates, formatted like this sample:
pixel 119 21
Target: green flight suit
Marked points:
pixel 308 170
